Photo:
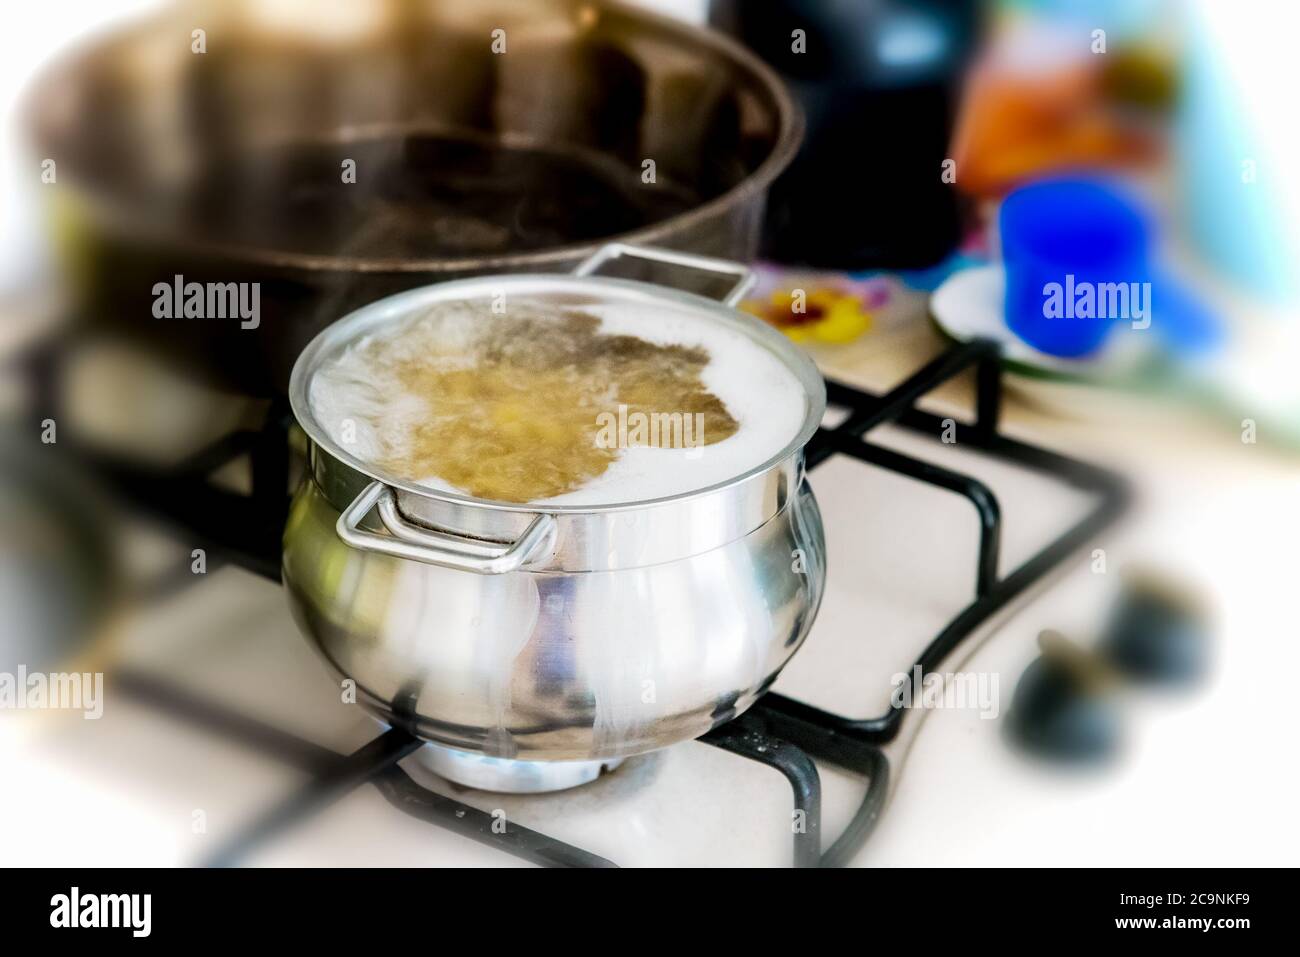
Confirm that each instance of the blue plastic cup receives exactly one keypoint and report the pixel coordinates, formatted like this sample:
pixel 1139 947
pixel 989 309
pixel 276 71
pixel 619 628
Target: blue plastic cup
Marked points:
pixel 1062 241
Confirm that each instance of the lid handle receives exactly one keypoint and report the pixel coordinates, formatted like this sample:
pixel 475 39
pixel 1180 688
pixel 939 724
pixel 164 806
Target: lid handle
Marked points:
pixel 744 275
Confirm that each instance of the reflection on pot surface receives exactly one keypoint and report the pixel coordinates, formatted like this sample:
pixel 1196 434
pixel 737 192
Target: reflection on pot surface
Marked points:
pixel 559 666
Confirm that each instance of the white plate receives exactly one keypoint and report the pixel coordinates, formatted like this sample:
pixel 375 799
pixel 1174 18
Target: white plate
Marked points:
pixel 968 305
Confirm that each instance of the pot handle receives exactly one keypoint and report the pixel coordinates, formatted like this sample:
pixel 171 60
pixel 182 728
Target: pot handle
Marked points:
pixel 417 544
pixel 744 275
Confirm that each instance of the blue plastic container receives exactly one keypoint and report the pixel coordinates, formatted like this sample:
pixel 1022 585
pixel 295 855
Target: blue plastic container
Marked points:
pixel 1059 238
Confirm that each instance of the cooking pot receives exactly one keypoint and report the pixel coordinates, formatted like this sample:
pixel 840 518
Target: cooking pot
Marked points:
pixel 498 136
pixel 536 644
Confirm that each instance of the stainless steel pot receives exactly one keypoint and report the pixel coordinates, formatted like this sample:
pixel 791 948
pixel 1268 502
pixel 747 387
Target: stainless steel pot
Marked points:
pixel 225 166
pixel 535 646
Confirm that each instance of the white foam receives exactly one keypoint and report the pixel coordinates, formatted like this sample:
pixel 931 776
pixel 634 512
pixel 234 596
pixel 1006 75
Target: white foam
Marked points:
pixel 760 392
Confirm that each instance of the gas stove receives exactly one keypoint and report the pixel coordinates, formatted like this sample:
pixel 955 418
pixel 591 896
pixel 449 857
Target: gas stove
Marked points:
pixel 834 770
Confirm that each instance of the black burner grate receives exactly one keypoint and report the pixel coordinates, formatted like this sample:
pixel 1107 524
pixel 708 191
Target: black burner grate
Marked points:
pixel 777 731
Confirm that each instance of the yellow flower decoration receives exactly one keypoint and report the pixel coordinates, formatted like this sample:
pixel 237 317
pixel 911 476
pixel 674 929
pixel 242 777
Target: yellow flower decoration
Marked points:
pixel 822 315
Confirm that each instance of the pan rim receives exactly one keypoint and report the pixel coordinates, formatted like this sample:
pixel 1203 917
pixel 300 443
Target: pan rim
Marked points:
pixel 788 137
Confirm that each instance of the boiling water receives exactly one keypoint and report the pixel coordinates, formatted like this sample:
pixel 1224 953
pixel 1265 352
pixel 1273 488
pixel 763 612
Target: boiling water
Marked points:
pixel 558 403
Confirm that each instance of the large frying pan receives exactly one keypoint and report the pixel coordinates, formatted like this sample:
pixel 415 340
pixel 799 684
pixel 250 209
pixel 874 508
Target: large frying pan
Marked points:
pixel 227 165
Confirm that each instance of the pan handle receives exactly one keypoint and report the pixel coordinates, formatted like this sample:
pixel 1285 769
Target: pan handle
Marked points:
pixel 414 543
pixel 744 275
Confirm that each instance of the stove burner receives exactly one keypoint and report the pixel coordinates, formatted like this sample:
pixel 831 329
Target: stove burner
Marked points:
pixel 509 776
pixel 780 732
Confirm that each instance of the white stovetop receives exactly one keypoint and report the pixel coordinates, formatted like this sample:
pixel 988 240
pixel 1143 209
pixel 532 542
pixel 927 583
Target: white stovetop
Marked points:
pixel 1208 777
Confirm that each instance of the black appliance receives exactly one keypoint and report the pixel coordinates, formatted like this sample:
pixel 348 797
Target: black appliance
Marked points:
pixel 877 80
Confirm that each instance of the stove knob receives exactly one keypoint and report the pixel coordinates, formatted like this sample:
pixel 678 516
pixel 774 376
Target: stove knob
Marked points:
pixel 1063 708
pixel 1158 633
